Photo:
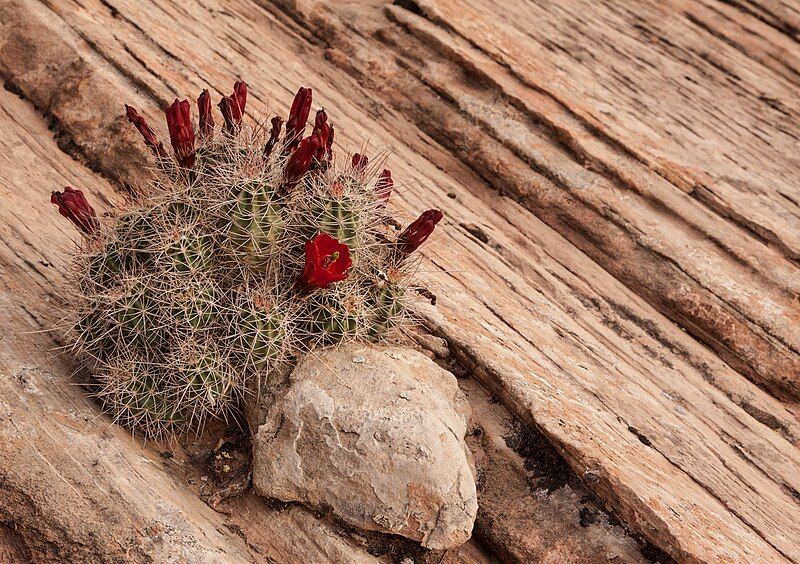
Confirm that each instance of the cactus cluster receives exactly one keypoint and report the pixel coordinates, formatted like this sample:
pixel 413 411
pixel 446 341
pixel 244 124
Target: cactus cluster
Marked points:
pixel 251 246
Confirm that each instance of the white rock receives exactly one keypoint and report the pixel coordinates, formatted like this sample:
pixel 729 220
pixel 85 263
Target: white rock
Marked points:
pixel 379 442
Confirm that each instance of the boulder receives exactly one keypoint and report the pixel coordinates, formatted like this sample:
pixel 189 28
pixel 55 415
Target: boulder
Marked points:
pixel 375 435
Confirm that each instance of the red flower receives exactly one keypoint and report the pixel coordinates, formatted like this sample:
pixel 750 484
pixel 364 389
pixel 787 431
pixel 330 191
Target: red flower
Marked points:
pixel 181 132
pixel 327 261
pixel 147 132
pixel 300 161
pixel 232 107
pixel 329 142
pixel 72 204
pixel 360 162
pixel 416 233
pixel 325 133
pixel 383 188
pixel 206 118
pixel 298 116
pixel 274 134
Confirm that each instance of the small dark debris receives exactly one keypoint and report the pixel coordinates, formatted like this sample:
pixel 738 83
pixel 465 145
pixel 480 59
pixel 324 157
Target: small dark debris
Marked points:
pixel 476 231
pixel 227 461
pixel 409 5
pixel 166 454
pixel 587 517
pixel 451 195
pixel 13 88
pixel 643 439
pixel 547 468
pixel 425 293
pixel 393 223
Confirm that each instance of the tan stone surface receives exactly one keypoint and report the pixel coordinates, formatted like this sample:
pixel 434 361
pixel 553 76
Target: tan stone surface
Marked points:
pixel 375 436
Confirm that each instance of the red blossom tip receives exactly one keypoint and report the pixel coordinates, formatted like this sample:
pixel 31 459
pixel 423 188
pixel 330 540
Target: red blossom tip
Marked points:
pixel 300 161
pixel 206 117
pixel 383 188
pixel 274 135
pixel 327 261
pixel 360 162
pixel 416 233
pixel 181 132
pixel 232 107
pixel 73 205
pixel 298 116
pixel 324 131
pixel 146 131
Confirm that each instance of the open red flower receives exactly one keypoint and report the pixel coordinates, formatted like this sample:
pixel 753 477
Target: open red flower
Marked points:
pixel 206 118
pixel 416 233
pixel 73 205
pixel 383 187
pixel 181 132
pixel 274 135
pixel 300 161
pixel 327 261
pixel 232 107
pixel 324 131
pixel 146 131
pixel 298 116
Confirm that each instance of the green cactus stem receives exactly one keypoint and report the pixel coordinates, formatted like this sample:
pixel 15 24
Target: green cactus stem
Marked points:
pixel 387 309
pixel 256 223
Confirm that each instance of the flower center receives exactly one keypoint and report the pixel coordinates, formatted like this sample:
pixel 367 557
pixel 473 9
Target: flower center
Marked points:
pixel 330 259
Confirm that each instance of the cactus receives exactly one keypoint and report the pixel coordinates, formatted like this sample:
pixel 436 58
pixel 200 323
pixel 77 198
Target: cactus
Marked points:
pixel 137 317
pixel 260 334
pixel 250 249
pixel 339 217
pixel 256 223
pixel 330 318
pixel 129 390
pixel 196 306
pixel 387 309
pixel 203 380
pixel 190 252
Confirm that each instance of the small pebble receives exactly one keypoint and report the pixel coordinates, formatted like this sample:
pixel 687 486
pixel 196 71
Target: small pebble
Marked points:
pixel 204 479
pixel 358 359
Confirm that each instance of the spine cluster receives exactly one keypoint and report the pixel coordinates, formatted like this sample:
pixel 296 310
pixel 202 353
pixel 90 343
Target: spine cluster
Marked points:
pixel 252 247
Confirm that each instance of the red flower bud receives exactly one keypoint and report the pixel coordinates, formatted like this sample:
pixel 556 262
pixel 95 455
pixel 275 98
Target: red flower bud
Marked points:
pixel 383 188
pixel 325 134
pixel 274 135
pixel 181 132
pixel 232 107
pixel 146 131
pixel 327 261
pixel 300 161
pixel 72 204
pixel 416 233
pixel 329 142
pixel 298 116
pixel 206 118
pixel 360 163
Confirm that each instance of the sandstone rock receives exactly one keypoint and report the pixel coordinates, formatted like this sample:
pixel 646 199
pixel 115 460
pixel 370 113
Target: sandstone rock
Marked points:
pixel 376 436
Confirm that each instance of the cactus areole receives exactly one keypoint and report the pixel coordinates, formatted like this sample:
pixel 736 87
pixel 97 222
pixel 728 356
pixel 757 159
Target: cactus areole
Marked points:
pixel 250 247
